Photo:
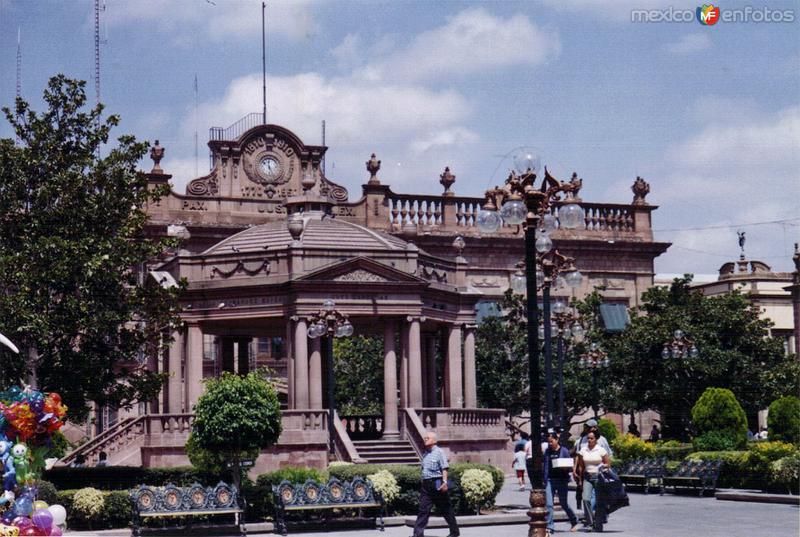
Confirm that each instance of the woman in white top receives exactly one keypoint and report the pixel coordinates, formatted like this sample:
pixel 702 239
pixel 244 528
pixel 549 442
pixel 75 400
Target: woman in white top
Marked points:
pixel 587 464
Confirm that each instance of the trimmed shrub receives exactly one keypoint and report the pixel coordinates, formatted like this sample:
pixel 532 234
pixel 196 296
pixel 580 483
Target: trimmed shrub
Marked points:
pixel 88 503
pixel 477 486
pixel 408 480
pixel 608 429
pixel 715 441
pixel 128 477
pixel 117 510
pixel 384 482
pixel 628 447
pixel 672 450
pixel 718 410
pixel 786 473
pixel 735 471
pixel 46 492
pixel 783 420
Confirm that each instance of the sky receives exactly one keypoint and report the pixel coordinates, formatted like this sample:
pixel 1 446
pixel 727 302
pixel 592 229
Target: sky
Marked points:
pixel 709 115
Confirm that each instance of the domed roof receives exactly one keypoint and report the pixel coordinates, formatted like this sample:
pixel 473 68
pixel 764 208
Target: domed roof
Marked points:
pixel 328 233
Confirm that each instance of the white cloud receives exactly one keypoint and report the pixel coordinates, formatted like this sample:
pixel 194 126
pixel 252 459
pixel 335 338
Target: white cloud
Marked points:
pixel 616 11
pixel 216 20
pixel 471 42
pixel 689 43
pixel 738 169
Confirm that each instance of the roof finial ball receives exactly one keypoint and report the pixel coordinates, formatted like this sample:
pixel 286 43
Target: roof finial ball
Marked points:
pixel 373 165
pixel 157 153
pixel 447 179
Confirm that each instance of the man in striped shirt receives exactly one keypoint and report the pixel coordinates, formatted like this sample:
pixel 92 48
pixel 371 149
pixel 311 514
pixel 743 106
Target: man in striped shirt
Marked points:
pixel 434 488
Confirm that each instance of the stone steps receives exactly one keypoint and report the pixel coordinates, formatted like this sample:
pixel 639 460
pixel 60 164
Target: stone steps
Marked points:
pixel 386 451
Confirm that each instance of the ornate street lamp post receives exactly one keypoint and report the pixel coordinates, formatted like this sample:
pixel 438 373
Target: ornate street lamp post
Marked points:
pixel 521 203
pixel 329 323
pixel 595 359
pixel 569 329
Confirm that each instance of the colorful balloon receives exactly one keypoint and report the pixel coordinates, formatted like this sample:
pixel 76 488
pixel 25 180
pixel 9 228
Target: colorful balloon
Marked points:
pixel 22 522
pixel 39 504
pixel 59 514
pixel 42 519
pixel 56 531
pixel 24 506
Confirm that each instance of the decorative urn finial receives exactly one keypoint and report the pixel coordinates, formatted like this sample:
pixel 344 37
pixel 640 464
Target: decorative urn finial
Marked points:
pixel 796 259
pixel 577 184
pixel 640 188
pixel 157 153
pixel 458 245
pixel 373 165
pixel 447 179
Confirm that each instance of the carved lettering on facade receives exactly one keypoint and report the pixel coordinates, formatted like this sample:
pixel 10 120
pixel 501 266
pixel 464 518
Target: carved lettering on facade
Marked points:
pixel 194 205
pixel 272 208
pixel 345 211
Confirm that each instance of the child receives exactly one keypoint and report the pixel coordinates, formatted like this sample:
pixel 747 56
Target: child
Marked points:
pixel 519 466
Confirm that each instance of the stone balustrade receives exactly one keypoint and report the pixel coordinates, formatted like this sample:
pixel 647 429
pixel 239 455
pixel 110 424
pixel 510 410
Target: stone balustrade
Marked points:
pixel 464 423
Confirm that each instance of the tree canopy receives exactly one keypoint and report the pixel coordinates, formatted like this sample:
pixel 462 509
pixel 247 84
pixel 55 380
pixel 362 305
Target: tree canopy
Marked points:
pixel 736 353
pixel 358 375
pixel 235 417
pixel 72 251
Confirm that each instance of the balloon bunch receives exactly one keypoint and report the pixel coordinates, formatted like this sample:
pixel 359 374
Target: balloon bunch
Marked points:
pixel 30 418
pixel 29 415
pixel 32 517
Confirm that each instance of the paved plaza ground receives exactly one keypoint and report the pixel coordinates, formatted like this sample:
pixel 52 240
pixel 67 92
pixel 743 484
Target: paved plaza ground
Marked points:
pixel 648 516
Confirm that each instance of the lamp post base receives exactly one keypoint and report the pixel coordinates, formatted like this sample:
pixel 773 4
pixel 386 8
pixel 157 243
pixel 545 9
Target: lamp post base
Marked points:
pixel 537 526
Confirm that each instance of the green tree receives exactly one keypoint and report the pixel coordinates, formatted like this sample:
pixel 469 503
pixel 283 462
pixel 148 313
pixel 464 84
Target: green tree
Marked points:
pixel 358 374
pixel 784 419
pixel 235 417
pixel 736 352
pixel 719 420
pixel 72 253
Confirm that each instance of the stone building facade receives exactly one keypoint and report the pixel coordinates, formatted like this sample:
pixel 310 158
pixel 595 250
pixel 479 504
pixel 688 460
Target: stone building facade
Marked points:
pixel 267 237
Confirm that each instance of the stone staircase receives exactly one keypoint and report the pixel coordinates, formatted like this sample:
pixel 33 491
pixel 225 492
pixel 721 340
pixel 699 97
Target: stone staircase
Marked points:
pixel 387 451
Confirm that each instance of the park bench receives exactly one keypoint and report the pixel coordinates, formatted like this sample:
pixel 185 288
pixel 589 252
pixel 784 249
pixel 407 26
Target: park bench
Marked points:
pixel 700 475
pixel 193 500
pixel 645 473
pixel 310 496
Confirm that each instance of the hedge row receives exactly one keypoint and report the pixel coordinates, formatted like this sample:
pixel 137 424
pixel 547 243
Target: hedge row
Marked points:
pixel 129 477
pixel 751 468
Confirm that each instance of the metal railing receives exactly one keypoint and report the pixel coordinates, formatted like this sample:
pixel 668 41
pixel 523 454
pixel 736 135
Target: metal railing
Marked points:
pixel 234 131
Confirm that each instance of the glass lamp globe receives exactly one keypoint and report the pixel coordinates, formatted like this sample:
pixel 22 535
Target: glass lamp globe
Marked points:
pixel 541 332
pixel 513 212
pixel 694 352
pixel 347 329
pixel 539 278
pixel 549 222
pixel 488 222
pixel 606 362
pixel 559 306
pixel 526 160
pixel 519 283
pixel 665 353
pixel 676 352
pixel 328 305
pixel 594 346
pixel 571 216
pixel 678 334
pixel 574 278
pixel 577 331
pixel 544 243
pixel 339 332
pixel 312 332
pixel 322 328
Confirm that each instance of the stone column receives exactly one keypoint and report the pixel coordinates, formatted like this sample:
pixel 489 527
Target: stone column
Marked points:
pixel 389 381
pixel 152 365
pixel 315 374
pixel 194 366
pixel 174 402
pixel 470 387
pixel 455 393
pixel 301 364
pixel 290 363
pixel 414 365
pixel 430 372
pixel 403 365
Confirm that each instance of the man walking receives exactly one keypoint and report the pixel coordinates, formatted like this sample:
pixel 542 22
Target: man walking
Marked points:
pixel 556 476
pixel 434 488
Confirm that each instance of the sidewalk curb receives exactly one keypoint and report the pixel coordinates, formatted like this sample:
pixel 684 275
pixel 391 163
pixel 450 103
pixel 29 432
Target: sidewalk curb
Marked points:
pixel 758 497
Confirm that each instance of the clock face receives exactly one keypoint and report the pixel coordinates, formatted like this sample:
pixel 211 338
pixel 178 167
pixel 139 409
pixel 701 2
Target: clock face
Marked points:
pixel 269 167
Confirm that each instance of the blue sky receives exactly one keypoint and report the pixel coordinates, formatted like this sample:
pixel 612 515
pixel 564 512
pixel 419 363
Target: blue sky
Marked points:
pixel 708 115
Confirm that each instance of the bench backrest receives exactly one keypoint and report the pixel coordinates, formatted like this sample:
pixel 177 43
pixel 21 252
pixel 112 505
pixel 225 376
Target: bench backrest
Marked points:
pixel 334 492
pixel 195 497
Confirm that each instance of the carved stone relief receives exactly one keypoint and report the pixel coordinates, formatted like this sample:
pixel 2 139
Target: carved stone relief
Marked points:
pixel 360 275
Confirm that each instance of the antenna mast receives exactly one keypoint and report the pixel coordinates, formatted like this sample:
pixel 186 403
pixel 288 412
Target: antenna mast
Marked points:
pixel 323 144
pixel 196 172
pixel 264 61
pixel 19 63
pixel 97 51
